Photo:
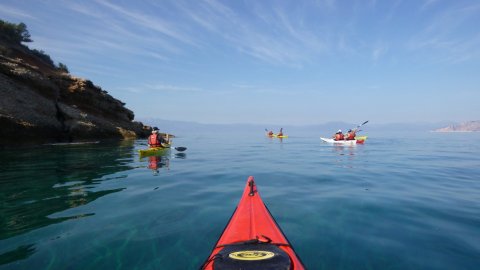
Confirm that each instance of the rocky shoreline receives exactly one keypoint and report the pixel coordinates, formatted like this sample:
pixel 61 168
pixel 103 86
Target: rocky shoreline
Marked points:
pixel 41 103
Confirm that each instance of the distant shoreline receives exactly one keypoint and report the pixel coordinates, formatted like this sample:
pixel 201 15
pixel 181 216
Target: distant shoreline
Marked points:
pixel 454 131
pixel 470 126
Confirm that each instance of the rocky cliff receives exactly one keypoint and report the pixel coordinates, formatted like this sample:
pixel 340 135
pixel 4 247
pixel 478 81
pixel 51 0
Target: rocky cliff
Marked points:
pixel 40 102
pixel 470 126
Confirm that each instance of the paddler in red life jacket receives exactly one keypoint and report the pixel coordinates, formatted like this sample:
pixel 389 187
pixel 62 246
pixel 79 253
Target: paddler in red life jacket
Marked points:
pixel 270 133
pixel 339 136
pixel 156 140
pixel 280 133
pixel 350 135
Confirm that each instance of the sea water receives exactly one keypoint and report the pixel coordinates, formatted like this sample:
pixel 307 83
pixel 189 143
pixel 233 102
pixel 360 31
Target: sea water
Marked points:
pixel 408 201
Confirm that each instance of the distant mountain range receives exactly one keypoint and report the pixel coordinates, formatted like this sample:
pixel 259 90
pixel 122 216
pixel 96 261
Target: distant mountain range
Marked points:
pixel 184 127
pixel 471 126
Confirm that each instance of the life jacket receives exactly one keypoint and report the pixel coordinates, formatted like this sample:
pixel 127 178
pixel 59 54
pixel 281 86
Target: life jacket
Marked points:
pixel 270 133
pixel 154 140
pixel 339 137
pixel 280 134
pixel 351 136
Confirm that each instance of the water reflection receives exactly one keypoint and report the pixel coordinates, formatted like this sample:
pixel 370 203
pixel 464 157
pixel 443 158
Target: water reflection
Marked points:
pixel 274 139
pixel 20 253
pixel 157 162
pixel 181 155
pixel 345 155
pixel 38 183
pixel 344 150
pixel 161 160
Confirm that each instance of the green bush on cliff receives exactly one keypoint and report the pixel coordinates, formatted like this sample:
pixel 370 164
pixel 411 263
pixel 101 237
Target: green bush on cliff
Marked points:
pixel 12 32
pixel 18 33
pixel 42 55
pixel 63 67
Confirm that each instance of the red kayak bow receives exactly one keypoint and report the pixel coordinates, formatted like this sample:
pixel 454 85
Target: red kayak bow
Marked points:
pixel 252 239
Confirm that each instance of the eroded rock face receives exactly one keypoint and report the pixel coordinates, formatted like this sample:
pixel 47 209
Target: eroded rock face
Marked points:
pixel 39 103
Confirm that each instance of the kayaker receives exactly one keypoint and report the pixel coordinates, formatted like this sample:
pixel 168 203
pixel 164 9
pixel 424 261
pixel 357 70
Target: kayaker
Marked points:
pixel 155 139
pixel 270 133
pixel 350 135
pixel 339 136
pixel 280 133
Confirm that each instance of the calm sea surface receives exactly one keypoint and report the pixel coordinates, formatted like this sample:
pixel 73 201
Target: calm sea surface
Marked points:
pixel 398 202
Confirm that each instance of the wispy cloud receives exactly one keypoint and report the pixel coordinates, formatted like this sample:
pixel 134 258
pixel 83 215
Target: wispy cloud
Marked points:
pixel 298 33
pixel 379 50
pixel 148 22
pixel 392 11
pixel 160 87
pixel 108 26
pixel 165 87
pixel 8 11
pixel 273 37
pixel 329 4
pixel 428 3
pixel 446 32
pixel 244 86
pixel 106 32
pixel 284 34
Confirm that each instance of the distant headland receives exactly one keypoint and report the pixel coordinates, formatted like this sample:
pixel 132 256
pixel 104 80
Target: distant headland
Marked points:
pixel 470 126
pixel 42 102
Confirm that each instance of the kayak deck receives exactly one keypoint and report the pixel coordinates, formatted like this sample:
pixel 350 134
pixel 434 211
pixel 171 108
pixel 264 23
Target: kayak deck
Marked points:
pixel 153 151
pixel 252 238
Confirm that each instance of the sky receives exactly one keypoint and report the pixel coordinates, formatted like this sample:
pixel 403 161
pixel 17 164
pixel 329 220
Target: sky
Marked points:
pixel 275 62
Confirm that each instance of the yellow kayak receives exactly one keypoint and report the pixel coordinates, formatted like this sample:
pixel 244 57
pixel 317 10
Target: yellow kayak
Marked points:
pixel 276 136
pixel 153 151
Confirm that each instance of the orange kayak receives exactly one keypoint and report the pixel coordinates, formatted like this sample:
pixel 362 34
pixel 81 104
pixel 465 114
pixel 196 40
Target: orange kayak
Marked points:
pixel 252 239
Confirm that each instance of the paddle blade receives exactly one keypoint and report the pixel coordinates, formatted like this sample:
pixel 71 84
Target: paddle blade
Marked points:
pixel 181 148
pixel 364 123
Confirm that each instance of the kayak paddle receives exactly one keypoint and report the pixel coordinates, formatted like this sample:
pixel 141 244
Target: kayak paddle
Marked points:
pixel 361 124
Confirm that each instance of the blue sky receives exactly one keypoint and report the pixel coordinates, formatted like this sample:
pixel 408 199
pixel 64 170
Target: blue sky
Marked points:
pixel 275 62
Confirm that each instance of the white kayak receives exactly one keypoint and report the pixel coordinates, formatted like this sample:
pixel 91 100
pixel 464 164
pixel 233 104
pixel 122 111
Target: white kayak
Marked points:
pixel 343 142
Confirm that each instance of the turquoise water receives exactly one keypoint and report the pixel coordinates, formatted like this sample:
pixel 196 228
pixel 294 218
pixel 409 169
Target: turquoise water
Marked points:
pixel 401 202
